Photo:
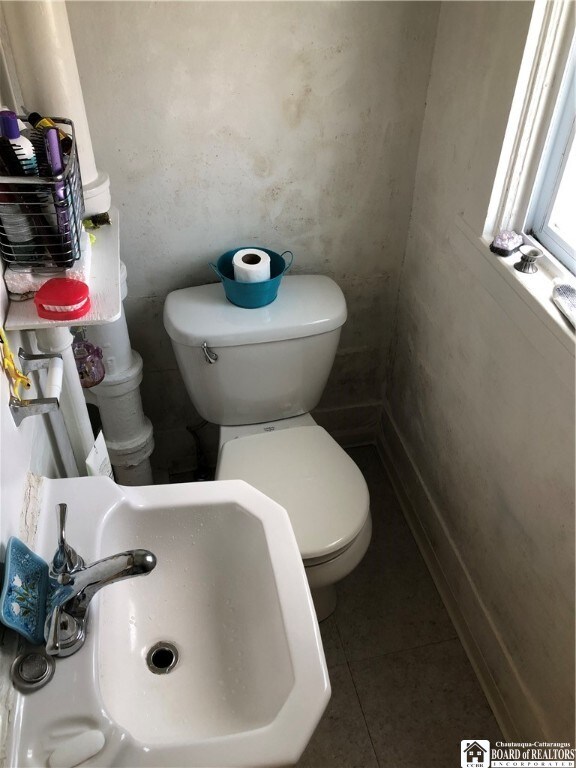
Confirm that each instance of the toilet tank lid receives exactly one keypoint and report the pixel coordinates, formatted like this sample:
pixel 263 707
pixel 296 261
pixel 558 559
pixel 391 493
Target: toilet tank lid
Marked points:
pixel 306 305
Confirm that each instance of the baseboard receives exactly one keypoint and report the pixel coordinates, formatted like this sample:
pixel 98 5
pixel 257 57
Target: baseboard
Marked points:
pixel 421 512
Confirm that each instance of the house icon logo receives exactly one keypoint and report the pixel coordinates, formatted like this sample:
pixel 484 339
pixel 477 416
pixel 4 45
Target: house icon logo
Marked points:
pixel 475 753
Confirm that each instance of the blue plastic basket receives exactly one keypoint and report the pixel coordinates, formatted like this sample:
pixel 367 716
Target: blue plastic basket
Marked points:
pixel 252 295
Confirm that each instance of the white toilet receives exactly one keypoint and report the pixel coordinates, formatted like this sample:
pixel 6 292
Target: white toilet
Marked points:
pixel 258 373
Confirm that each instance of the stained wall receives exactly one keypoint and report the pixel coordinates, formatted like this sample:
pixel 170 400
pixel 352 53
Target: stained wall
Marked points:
pixel 289 125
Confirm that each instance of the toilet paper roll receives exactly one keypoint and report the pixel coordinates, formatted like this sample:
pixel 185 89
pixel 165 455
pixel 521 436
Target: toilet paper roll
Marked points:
pixel 251 265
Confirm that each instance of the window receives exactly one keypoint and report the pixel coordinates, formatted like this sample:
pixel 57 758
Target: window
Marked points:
pixel 535 180
pixel 552 212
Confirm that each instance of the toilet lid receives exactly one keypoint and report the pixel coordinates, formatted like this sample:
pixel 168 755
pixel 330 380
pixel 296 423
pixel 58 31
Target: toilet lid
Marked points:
pixel 309 474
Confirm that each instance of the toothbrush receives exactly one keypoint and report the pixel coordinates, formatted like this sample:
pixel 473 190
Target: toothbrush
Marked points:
pixel 38 139
pixel 56 163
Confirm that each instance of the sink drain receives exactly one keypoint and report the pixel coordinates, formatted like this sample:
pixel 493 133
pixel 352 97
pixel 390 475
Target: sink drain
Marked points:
pixel 31 671
pixel 162 658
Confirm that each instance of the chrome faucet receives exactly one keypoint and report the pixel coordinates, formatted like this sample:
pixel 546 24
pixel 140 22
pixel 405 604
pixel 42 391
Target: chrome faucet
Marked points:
pixel 75 584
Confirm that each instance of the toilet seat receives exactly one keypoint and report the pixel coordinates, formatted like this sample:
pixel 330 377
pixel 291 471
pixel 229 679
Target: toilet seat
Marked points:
pixel 310 475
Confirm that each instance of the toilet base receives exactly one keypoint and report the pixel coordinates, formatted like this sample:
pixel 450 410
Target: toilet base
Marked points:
pixel 323 577
pixel 324 601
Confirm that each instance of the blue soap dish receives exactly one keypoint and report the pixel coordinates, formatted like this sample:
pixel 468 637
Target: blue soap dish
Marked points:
pixel 25 591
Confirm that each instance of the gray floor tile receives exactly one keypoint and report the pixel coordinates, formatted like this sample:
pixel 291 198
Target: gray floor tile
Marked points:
pixel 389 602
pixel 161 476
pixel 333 648
pixel 419 704
pixel 341 739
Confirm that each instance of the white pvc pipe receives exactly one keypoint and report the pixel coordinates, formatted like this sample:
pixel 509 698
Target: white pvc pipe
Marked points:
pixel 113 338
pixel 45 62
pixel 127 431
pixel 72 402
pixel 54 377
pixel 140 474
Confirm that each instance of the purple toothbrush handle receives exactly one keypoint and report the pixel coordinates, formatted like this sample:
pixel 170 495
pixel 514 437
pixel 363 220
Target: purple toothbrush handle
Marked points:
pixel 56 162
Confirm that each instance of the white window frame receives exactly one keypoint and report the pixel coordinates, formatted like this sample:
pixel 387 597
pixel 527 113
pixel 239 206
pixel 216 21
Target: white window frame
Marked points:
pixel 544 62
pixel 550 174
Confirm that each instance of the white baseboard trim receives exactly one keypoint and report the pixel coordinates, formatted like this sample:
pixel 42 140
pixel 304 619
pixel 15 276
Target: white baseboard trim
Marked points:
pixel 418 506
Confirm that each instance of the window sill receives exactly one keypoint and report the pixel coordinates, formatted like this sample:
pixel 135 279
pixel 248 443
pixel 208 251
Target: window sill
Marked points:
pixel 526 299
pixel 539 285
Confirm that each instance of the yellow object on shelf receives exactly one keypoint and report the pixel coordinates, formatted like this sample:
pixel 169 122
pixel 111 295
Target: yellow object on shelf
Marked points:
pixel 15 375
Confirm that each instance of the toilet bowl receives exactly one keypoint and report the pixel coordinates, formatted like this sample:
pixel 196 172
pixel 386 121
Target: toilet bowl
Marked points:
pixel 297 463
pixel 257 373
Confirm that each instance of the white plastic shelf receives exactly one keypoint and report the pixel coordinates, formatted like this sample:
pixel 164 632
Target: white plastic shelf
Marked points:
pixel 104 284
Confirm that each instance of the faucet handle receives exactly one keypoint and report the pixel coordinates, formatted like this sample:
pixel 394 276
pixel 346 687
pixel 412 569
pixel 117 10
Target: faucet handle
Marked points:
pixel 66 559
pixel 52 632
pixel 63 633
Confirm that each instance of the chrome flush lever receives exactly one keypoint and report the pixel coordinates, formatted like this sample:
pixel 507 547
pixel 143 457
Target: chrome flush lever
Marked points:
pixel 210 356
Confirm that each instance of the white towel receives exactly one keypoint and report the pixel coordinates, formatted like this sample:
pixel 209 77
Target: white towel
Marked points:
pixel 20 282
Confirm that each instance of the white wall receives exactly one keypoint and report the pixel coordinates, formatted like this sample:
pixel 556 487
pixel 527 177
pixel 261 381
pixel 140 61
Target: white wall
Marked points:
pixel 291 125
pixel 480 421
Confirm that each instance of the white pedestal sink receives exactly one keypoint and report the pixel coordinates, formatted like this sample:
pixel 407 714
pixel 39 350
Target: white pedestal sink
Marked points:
pixel 229 595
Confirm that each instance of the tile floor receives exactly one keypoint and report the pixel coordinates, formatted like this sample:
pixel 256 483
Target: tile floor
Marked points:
pixel 403 692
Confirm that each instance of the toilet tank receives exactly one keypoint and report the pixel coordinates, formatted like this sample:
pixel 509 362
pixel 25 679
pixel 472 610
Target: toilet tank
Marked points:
pixel 273 362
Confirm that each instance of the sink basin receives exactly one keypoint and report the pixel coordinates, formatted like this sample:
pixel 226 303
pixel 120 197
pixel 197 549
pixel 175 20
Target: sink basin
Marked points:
pixel 212 659
pixel 213 596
